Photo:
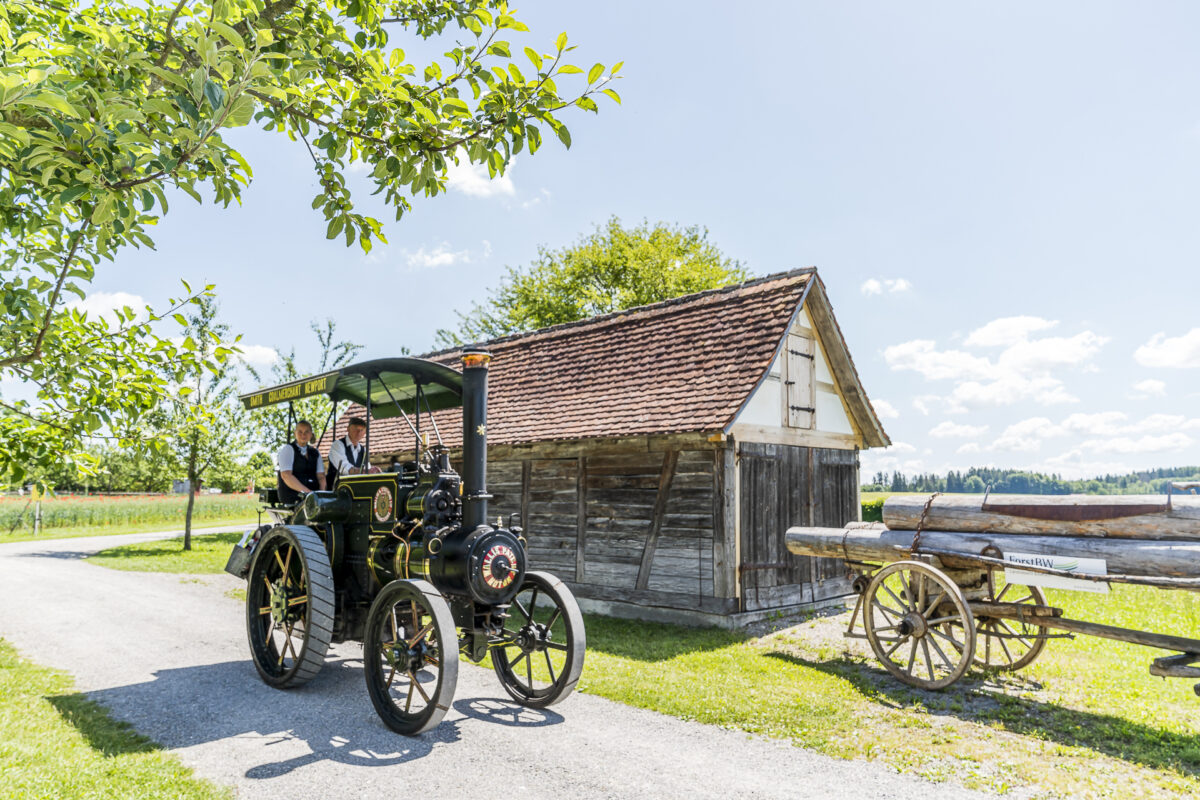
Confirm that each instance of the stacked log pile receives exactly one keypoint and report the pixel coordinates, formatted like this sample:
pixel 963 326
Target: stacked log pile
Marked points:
pixel 1136 535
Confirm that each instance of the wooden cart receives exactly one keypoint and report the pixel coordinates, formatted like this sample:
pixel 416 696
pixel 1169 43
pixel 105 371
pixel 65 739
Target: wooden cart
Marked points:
pixel 933 603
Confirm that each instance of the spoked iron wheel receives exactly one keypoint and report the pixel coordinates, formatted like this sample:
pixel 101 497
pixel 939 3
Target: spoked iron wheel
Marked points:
pixel 289 606
pixel 410 656
pixel 1010 644
pixel 539 657
pixel 919 625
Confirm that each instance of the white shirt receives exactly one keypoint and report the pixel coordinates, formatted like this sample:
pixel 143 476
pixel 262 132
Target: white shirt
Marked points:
pixel 343 460
pixel 284 457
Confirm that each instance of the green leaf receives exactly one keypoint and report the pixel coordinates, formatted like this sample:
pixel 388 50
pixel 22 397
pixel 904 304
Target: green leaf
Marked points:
pixel 51 101
pixel 596 71
pixel 564 135
pixel 228 33
pixel 613 95
pixel 242 111
pixel 569 69
pixel 214 94
pixel 104 212
pixel 335 227
pixel 561 41
pixel 180 318
pixel 534 58
pixel 166 76
pixel 73 193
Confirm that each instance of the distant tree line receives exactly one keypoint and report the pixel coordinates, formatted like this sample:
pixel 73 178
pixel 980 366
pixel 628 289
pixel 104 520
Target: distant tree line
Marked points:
pixel 1011 481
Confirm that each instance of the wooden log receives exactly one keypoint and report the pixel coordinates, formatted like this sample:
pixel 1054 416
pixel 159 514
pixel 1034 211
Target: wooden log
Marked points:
pixel 1159 558
pixel 1117 516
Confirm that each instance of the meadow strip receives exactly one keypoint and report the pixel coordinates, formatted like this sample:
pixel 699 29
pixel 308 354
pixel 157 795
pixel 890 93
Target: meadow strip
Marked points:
pixel 97 511
pixel 55 743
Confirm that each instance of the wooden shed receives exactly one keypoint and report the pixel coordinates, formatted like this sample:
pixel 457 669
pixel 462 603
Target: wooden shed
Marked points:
pixel 657 455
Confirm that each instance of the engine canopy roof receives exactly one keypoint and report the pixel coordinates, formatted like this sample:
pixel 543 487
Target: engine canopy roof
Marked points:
pixel 390 379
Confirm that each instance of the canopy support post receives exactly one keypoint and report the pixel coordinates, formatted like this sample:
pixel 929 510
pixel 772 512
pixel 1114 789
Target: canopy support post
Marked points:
pixel 367 453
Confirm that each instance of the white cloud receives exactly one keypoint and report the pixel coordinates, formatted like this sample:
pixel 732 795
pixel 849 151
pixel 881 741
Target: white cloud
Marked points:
pixel 969 447
pixel 889 459
pixel 258 355
pixel 1024 370
pixel 440 256
pixel 473 179
pixel 1126 445
pixel 102 304
pixel 1150 388
pixel 443 256
pixel 884 409
pixel 891 285
pixel 544 195
pixel 922 356
pixel 950 430
pixel 1026 436
pixel 1007 331
pixel 1178 352
pixel 1042 355
pixel 1104 423
pixel 926 403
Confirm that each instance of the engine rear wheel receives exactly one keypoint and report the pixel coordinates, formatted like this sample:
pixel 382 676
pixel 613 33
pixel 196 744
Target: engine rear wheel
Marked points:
pixel 410 656
pixel 289 606
pixel 539 656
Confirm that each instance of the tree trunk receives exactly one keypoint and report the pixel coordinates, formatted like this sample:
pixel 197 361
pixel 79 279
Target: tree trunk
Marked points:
pixel 192 477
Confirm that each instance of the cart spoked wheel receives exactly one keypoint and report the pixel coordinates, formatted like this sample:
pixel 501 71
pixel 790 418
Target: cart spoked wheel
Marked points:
pixel 919 625
pixel 1010 644
pixel 410 656
pixel 539 656
pixel 289 606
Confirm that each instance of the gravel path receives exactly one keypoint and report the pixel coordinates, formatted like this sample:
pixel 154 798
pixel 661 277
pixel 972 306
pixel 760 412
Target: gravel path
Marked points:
pixel 168 653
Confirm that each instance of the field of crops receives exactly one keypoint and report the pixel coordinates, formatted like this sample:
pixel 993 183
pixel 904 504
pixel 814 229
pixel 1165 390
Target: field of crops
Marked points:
pixel 93 511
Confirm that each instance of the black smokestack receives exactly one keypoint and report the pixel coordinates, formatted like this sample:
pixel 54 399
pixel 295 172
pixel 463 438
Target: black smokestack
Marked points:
pixel 475 496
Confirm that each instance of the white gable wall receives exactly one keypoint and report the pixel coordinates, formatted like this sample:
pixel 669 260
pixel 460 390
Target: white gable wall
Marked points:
pixel 764 411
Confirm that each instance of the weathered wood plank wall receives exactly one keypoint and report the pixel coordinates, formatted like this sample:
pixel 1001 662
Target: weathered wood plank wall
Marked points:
pixel 781 486
pixel 623 522
pixel 667 522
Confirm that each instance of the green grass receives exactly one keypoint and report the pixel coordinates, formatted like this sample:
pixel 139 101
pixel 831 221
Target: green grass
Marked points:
pixel 1085 720
pixel 117 530
pixel 208 555
pixel 55 743
pixel 69 512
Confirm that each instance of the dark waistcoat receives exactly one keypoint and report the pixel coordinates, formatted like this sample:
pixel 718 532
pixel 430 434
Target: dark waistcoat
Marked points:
pixel 331 472
pixel 304 469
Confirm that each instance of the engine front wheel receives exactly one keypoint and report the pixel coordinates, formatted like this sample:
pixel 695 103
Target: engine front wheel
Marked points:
pixel 289 606
pixel 410 656
pixel 539 656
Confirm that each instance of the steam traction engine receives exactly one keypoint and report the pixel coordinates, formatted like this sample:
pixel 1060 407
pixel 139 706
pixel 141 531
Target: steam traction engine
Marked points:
pixel 406 562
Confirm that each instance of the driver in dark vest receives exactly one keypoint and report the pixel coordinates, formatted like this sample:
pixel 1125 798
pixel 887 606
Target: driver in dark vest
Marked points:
pixel 347 455
pixel 301 470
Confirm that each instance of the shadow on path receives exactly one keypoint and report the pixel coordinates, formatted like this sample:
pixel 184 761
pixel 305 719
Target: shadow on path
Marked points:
pixel 332 715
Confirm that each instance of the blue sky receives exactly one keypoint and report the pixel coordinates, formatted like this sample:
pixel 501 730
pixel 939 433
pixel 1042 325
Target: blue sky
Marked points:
pixel 1001 198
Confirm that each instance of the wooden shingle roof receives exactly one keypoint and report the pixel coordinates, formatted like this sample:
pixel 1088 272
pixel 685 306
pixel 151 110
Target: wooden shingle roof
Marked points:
pixel 681 365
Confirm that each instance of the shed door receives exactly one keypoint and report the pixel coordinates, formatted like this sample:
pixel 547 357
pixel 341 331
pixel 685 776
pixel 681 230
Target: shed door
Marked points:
pixel 798 379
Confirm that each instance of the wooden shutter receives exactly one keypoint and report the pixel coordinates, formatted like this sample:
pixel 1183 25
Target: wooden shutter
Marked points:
pixel 799 375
